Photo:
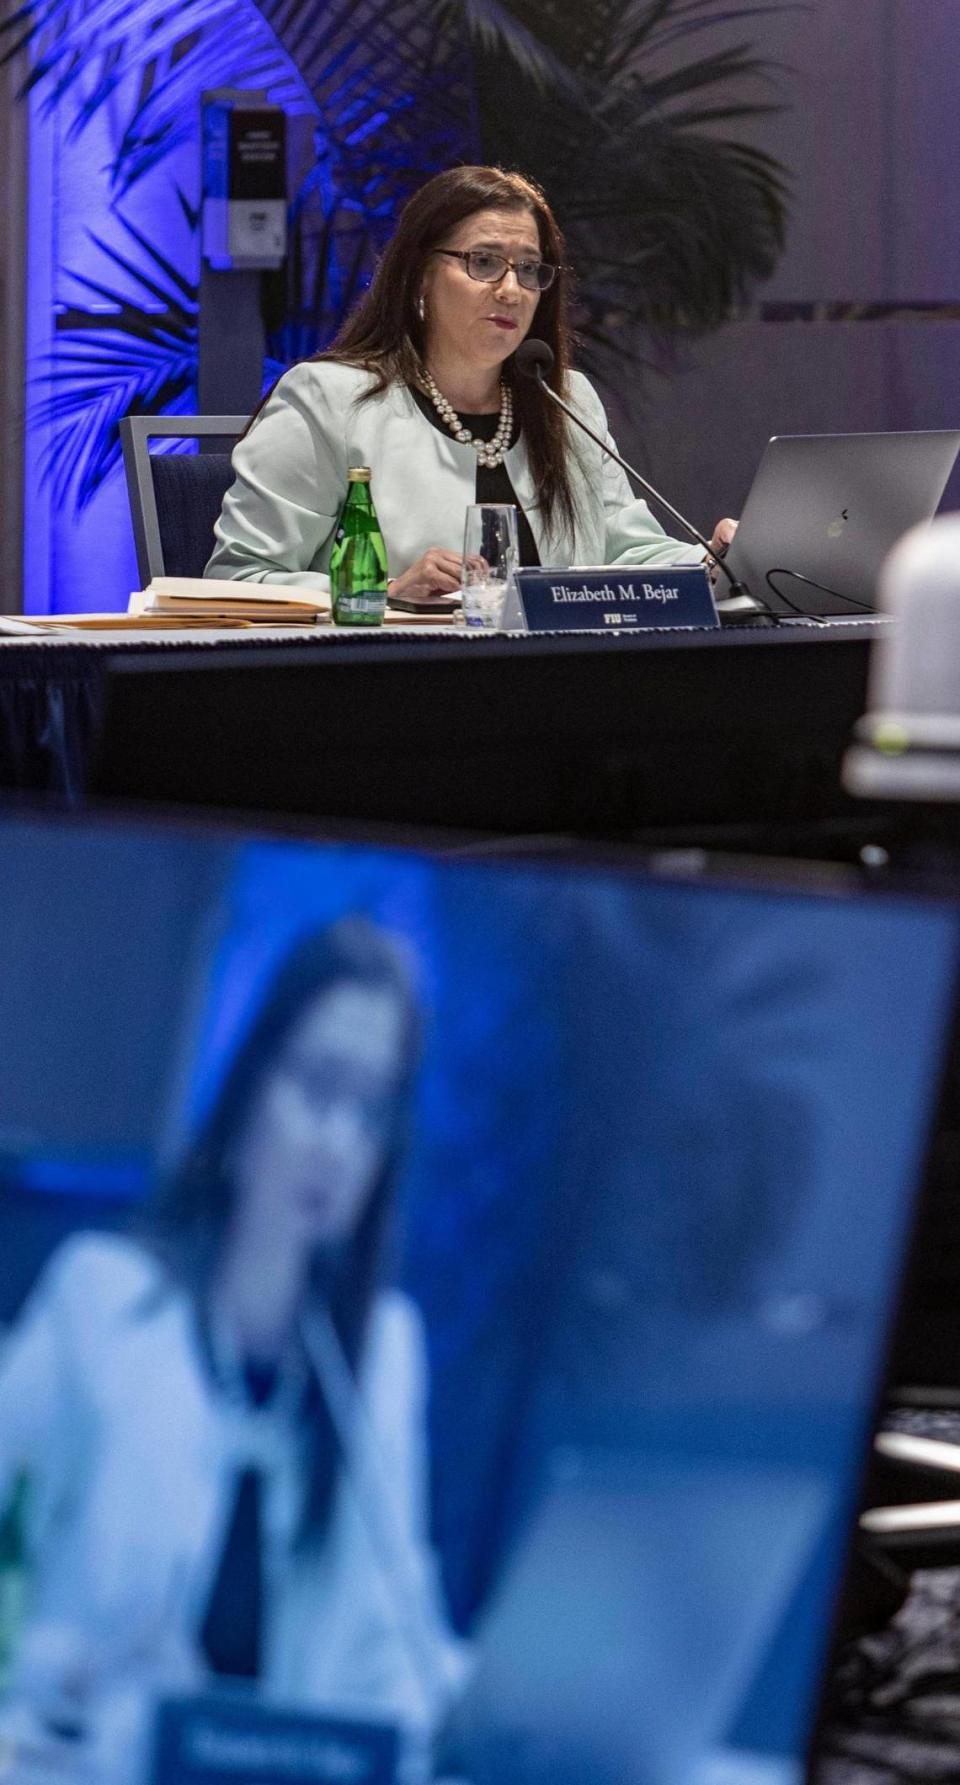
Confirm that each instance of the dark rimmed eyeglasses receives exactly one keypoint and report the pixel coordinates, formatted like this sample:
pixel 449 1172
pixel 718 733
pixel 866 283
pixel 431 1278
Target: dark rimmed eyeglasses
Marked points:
pixel 489 268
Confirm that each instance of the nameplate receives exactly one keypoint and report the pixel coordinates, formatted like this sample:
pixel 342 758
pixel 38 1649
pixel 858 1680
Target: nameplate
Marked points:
pixel 618 599
pixel 218 1740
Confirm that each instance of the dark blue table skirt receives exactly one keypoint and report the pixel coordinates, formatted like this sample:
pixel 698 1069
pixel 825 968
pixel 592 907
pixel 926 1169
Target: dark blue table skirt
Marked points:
pixel 51 697
pixel 51 702
pixel 50 705
pixel 53 691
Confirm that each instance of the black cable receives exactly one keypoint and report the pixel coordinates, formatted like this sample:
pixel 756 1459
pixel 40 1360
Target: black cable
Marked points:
pixel 821 619
pixel 801 613
pixel 534 359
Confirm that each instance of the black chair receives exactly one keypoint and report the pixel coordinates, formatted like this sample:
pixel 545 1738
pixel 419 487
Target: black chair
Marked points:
pixel 175 498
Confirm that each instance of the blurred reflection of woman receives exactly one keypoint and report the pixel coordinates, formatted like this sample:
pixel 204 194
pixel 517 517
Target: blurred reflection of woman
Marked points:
pixel 179 1400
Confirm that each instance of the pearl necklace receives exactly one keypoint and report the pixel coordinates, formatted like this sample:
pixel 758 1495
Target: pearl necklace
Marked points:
pixel 489 452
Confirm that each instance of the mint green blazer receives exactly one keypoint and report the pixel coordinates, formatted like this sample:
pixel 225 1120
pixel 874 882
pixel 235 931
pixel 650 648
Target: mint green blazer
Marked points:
pixel 278 517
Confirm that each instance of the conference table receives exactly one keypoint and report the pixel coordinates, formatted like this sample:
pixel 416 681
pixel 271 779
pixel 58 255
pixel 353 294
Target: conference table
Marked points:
pixel 725 737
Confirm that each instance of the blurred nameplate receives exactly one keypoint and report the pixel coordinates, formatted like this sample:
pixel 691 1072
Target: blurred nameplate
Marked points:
pixel 620 598
pixel 216 1740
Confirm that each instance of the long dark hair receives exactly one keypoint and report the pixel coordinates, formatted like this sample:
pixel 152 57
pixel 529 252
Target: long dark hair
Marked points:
pixel 385 335
pixel 187 1221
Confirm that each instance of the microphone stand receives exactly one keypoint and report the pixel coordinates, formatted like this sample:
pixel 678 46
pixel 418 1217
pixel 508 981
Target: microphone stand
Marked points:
pixel 738 591
pixel 369 1477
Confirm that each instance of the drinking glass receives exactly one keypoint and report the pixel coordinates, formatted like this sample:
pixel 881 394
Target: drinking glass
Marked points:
pixel 491 554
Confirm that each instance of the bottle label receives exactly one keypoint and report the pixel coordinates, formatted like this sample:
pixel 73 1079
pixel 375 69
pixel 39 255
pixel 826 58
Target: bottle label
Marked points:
pixel 361 604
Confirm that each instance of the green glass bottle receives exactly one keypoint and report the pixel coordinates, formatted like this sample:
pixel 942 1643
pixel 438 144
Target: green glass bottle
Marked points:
pixel 13 1572
pixel 358 567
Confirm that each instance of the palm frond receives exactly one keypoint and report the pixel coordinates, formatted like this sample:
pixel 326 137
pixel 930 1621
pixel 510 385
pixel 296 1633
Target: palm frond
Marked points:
pixel 67 38
pixel 670 224
pixel 140 360
pixel 391 75
pixel 680 21
pixel 392 82
pixel 98 384
pixel 617 107
pixel 165 115
pixel 725 67
pixel 196 45
pixel 494 27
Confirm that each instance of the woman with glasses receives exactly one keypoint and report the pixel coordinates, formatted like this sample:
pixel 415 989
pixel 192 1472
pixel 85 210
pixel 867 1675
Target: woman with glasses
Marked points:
pixel 420 385
pixel 220 1415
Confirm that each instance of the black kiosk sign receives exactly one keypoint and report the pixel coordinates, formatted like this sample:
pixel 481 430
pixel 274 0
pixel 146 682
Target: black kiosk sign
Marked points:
pixel 244 184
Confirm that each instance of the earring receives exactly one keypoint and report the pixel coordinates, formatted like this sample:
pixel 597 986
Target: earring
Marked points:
pixel 421 308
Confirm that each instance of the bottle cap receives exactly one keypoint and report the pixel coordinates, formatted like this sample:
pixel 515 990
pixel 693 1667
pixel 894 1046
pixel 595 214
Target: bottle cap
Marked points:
pixel 358 474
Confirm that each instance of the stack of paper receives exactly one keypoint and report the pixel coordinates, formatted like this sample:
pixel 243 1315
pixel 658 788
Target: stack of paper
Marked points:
pixel 171 603
pixel 200 601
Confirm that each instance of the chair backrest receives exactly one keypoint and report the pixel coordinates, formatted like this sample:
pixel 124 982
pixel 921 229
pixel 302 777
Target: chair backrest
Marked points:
pixel 175 497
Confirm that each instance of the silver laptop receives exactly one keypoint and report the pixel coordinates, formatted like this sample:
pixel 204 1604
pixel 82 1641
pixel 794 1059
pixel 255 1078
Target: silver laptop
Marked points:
pixel 633 1620
pixel 827 508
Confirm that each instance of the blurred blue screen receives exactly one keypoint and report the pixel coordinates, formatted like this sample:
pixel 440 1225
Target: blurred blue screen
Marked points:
pixel 649 1211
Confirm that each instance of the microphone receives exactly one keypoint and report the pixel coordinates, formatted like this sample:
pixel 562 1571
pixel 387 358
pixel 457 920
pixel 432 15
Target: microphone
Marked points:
pixel 432 1662
pixel 534 359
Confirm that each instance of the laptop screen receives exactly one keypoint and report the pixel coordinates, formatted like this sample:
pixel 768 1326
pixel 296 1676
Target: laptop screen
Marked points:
pixel 438 1297
pixel 824 510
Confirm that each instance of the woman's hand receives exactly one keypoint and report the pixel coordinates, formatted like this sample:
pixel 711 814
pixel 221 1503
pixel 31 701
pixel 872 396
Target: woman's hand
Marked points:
pixel 720 539
pixel 722 536
pixel 436 572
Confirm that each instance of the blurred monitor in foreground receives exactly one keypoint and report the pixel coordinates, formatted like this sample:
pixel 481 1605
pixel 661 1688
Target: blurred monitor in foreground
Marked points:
pixel 444 1305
